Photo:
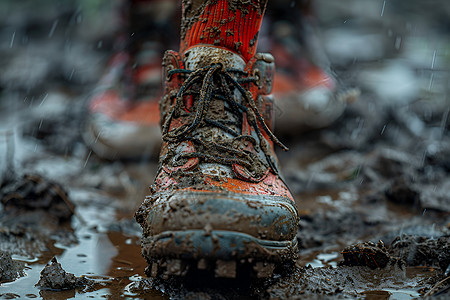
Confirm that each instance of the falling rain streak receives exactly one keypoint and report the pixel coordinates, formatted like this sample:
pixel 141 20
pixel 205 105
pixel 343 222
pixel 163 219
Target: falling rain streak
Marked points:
pixel 432 68
pixel 444 122
pixel 12 40
pixel 52 30
pixel 71 74
pixel 87 159
pixel 43 99
pixel 382 9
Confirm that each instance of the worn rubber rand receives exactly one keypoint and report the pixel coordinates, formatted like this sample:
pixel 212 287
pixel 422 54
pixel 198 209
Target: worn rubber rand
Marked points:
pixel 225 253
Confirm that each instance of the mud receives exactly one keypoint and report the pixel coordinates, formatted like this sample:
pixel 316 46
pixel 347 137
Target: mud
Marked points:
pixel 258 5
pixel 34 211
pixel 381 172
pixel 53 277
pixel 342 282
pixel 34 192
pixel 422 251
pixel 10 269
pixel 369 254
pixel 192 10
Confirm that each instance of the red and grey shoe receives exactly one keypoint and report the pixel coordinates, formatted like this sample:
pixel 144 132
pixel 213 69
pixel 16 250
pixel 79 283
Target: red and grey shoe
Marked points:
pixel 308 94
pixel 119 125
pixel 218 201
pixel 123 112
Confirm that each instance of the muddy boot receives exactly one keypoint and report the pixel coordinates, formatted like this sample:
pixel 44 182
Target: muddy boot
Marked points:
pixel 123 111
pixel 308 94
pixel 218 202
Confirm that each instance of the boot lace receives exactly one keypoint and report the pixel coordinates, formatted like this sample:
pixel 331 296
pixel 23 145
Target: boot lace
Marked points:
pixel 216 82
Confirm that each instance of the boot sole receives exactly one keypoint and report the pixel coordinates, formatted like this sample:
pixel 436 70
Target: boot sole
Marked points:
pixel 224 252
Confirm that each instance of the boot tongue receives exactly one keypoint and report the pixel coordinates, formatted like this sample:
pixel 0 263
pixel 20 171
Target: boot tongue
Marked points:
pixel 204 56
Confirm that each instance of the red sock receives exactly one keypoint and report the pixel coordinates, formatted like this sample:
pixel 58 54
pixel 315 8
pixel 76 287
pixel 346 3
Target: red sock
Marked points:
pixel 223 23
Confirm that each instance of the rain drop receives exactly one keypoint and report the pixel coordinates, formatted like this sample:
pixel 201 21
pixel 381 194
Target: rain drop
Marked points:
pixel 52 30
pixel 444 121
pixel 43 99
pixel 432 67
pixel 433 60
pixel 71 74
pixel 424 157
pixel 98 135
pixel 87 159
pixel 12 40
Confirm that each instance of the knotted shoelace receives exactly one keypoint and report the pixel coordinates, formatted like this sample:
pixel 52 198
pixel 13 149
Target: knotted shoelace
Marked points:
pixel 218 83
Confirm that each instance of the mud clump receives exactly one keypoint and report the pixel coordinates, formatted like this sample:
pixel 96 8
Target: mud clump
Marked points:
pixel 368 254
pixel 419 250
pixel 53 277
pixel 34 212
pixel 10 270
pixel 34 192
pixel 343 282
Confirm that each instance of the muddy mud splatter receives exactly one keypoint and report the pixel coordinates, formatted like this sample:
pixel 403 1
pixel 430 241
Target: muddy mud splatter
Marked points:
pixel 369 254
pixel 34 192
pixel 423 251
pixel 10 269
pixel 192 10
pixel 53 277
pixel 258 5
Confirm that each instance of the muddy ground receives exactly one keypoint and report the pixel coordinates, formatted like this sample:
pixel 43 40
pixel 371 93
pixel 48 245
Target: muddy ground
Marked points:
pixel 380 172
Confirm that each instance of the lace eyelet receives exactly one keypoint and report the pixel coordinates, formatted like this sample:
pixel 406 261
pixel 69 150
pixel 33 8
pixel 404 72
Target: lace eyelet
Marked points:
pixel 168 69
pixel 257 75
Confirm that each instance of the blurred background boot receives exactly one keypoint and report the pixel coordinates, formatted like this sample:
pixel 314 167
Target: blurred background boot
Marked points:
pixel 123 113
pixel 307 93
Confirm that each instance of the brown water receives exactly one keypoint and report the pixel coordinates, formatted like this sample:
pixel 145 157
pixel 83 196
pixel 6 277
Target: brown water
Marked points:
pixel 112 260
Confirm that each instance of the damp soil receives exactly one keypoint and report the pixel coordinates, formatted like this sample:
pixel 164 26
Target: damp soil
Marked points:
pixel 379 173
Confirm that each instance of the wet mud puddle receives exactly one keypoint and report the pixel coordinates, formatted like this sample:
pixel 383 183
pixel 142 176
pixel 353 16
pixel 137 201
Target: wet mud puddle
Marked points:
pixel 116 266
pixel 108 257
pixel 107 253
pixel 394 287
